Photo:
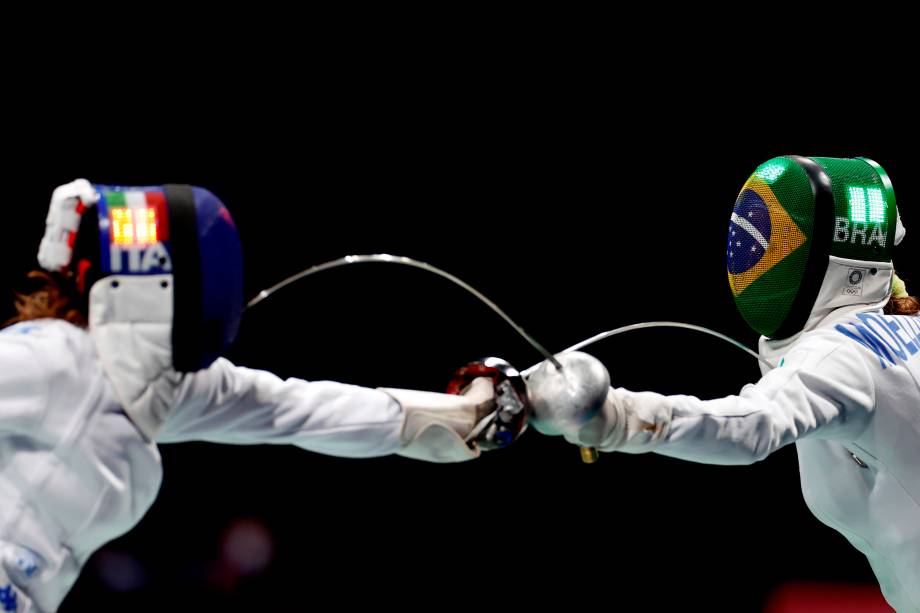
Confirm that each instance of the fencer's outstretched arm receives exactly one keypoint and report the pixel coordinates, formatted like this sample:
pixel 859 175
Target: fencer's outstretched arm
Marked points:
pixel 825 392
pixel 237 405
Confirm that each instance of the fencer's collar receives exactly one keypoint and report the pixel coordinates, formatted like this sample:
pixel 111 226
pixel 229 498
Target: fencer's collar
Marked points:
pixel 849 287
pixel 131 328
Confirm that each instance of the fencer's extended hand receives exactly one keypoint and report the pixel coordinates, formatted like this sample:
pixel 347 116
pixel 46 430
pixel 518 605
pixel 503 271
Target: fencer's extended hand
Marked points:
pixel 578 403
pixel 439 427
pixel 68 202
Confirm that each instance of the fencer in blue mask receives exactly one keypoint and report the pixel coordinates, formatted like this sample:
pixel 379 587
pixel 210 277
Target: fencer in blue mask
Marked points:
pixel 116 349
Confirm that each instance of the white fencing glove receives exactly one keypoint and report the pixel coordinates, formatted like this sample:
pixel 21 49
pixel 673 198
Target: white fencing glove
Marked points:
pixel 68 203
pixel 578 403
pixel 440 427
pixel 632 422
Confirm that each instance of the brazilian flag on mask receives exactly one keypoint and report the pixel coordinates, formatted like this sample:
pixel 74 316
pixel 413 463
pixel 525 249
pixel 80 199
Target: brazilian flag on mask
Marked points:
pixel 791 214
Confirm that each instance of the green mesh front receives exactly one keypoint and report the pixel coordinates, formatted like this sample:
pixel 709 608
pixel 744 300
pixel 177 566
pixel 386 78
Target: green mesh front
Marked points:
pixel 865 214
pixel 769 242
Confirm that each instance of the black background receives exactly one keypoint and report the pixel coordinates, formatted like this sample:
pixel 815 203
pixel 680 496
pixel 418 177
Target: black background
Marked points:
pixel 578 200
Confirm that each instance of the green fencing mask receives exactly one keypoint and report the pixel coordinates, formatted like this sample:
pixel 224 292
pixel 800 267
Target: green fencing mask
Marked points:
pixel 793 216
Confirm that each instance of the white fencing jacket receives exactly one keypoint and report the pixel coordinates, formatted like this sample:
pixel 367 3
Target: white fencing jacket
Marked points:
pixel 75 471
pixel 847 393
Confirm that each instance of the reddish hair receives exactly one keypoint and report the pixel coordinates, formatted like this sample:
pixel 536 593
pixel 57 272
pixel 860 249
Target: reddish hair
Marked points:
pixel 902 304
pixel 908 305
pixel 54 296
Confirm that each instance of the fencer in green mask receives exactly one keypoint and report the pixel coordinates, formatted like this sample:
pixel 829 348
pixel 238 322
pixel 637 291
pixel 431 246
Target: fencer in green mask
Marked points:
pixel 810 264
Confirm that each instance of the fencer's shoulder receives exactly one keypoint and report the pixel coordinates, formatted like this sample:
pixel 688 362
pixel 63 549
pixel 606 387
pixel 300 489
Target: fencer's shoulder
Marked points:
pixel 869 337
pixel 821 337
pixel 819 340
pixel 55 345
pixel 821 346
pixel 44 332
pixel 889 340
